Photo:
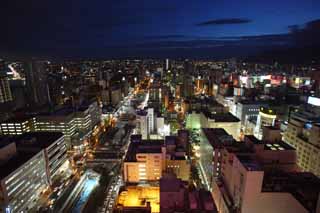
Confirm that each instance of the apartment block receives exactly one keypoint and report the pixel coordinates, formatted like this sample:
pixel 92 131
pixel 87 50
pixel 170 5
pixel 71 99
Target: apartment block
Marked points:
pixel 28 165
pixel 262 176
pixel 303 133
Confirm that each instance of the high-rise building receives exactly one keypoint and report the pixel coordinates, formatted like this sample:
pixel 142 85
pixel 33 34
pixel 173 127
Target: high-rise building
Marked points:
pixel 262 176
pixel 23 178
pixel 17 126
pixel 211 143
pixel 73 123
pixel 167 64
pixel 303 133
pixel 5 91
pixel 151 120
pixel 188 87
pixel 28 165
pixel 18 90
pixel 36 82
pixel 148 122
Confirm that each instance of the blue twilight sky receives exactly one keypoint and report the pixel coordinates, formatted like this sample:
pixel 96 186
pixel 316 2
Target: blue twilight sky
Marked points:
pixel 82 28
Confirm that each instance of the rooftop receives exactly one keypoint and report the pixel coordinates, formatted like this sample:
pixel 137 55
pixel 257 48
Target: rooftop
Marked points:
pixel 217 136
pixel 253 139
pixel 138 196
pixel 271 127
pixel 304 186
pixel 205 100
pixel 18 119
pixel 36 140
pixel 221 117
pixel 14 163
pixel 170 140
pixel 170 183
pixel 278 146
pixel 145 146
pixel 253 102
pixel 249 163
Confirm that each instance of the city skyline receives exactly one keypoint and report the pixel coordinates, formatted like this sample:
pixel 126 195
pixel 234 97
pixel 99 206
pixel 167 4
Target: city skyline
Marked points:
pixel 160 106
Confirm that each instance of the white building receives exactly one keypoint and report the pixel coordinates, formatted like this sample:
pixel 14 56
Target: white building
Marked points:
pixel 246 110
pixel 29 163
pixel 266 117
pixel 303 133
pixel 149 123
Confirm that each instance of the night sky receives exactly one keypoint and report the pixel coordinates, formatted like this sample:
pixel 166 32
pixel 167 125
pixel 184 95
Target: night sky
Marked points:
pixel 155 28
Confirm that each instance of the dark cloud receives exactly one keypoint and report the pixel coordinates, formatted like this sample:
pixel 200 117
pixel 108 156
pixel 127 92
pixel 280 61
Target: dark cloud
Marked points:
pixel 307 34
pixel 225 21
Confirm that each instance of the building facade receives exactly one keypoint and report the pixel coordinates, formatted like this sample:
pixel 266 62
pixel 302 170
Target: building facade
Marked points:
pixel 303 133
pixel 5 91
pixel 22 184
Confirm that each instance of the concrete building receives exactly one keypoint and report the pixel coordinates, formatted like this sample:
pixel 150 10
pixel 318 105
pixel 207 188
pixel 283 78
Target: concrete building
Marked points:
pixel 209 119
pixel 28 164
pixel 52 144
pixel 172 194
pixel 227 121
pixel 37 82
pixel 160 126
pixel 144 161
pixel 73 123
pixel 177 161
pixel 17 126
pixel 5 91
pixel 23 178
pixel 144 130
pixel 62 121
pixel 270 133
pixel 303 133
pixel 206 103
pixel 180 167
pixel 116 95
pixel 150 123
pixel 260 176
pixel 175 196
pixel 151 120
pixel 246 110
pixel 211 143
